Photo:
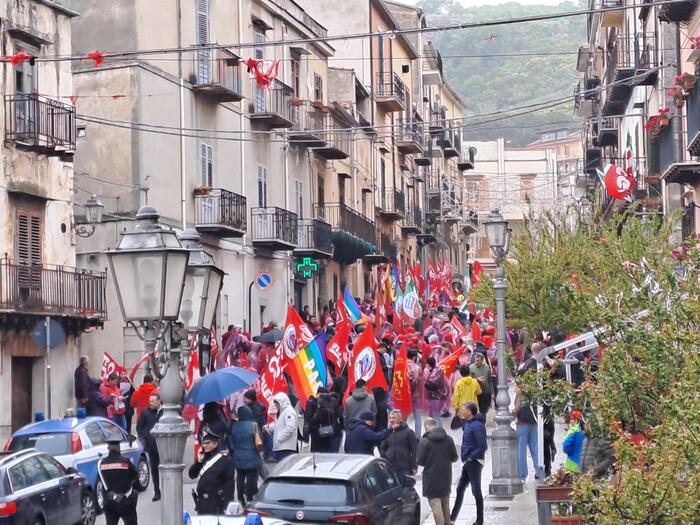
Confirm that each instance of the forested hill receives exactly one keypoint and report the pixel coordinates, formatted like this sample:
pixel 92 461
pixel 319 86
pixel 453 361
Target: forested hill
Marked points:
pixel 489 84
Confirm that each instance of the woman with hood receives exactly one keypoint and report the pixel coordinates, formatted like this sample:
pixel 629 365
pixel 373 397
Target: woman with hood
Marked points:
pixel 324 420
pixel 246 457
pixel 285 429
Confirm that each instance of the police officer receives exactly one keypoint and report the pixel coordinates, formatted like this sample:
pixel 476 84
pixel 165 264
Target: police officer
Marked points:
pixel 216 484
pixel 121 484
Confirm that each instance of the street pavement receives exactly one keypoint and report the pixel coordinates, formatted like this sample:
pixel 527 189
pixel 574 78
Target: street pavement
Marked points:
pixel 517 510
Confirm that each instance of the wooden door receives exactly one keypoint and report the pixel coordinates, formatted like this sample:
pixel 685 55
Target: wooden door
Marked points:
pixel 21 391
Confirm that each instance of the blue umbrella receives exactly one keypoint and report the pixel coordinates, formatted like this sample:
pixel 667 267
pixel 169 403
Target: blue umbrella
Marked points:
pixel 220 384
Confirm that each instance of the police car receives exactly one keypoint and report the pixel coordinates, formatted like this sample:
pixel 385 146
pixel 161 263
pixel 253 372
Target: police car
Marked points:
pixel 80 442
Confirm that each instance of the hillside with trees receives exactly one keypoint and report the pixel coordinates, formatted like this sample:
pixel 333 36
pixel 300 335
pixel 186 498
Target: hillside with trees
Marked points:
pixel 541 68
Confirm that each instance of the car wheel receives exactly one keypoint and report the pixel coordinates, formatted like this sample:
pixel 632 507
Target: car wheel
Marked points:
pixel 99 497
pixel 88 509
pixel 144 472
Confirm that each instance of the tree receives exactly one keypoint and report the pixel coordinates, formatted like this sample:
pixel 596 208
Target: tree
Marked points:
pixel 624 279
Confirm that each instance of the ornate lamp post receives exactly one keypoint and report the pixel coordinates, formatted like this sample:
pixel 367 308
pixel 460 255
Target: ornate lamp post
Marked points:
pixel 93 215
pixel 504 447
pixel 149 268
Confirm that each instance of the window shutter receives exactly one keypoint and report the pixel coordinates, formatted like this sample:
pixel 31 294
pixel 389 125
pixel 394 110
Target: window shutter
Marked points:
pixel 28 239
pixel 262 186
pixel 206 165
pixel 259 38
pixel 202 36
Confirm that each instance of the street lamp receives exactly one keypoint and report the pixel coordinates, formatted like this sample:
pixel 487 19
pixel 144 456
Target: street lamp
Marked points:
pixel 505 481
pixel 149 267
pixel 93 215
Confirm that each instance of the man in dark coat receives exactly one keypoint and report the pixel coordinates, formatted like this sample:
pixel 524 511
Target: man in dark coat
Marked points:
pixel 144 426
pixel 360 438
pixel 216 484
pixel 399 448
pixel 82 381
pixel 474 448
pixel 436 453
pixel 96 403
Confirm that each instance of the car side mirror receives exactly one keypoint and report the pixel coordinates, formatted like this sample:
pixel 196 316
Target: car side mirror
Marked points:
pixel 71 471
pixel 131 439
pixel 409 482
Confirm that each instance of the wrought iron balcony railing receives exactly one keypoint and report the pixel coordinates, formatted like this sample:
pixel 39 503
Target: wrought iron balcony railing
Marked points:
pixel 40 123
pixel 220 212
pixel 219 75
pixel 274 228
pixel 342 217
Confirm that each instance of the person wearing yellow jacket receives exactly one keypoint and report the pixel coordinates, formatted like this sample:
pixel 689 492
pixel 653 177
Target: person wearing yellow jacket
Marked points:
pixel 466 389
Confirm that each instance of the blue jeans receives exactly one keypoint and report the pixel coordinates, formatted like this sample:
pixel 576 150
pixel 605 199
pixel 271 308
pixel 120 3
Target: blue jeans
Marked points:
pixel 119 419
pixel 527 438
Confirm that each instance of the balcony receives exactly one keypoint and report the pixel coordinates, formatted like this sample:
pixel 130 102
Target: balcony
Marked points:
pixel 220 212
pixel 271 108
pixel 218 75
pixel 606 132
pixel 308 124
pixel 430 226
pixel 391 204
pixel 40 124
pixel 631 63
pixel 315 239
pixel 55 291
pixel 470 222
pixel 386 251
pixel 412 220
pixel 353 233
pixel 677 11
pixel 467 163
pixel 391 92
pixel 583 107
pixel 447 140
pixel 614 16
pixel 693 124
pixel 432 66
pixel 337 142
pixel 274 229
pixel 409 137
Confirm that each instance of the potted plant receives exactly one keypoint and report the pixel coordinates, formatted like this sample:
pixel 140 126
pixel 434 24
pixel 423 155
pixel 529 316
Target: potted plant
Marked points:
pixel 687 80
pixel 557 493
pixel 201 190
pixel 663 117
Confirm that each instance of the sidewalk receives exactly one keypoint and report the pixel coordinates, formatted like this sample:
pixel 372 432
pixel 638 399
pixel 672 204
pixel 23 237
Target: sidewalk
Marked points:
pixel 516 510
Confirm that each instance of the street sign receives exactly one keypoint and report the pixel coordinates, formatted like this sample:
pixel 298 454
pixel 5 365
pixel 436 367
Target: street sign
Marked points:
pixel 264 280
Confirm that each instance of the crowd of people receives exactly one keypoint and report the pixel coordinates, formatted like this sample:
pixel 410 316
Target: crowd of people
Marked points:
pixel 237 437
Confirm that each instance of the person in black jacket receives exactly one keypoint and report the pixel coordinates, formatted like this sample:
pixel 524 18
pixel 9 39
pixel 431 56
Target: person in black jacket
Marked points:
pixel 400 446
pixel 474 448
pixel 214 422
pixel 436 453
pixel 250 398
pixel 381 421
pixel 144 426
pixel 360 438
pixel 82 381
pixel 216 472
pixel 323 421
pixel 96 403
pixel 120 480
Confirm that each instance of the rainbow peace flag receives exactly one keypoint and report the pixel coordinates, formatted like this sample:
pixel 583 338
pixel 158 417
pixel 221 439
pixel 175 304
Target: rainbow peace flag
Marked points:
pixel 308 368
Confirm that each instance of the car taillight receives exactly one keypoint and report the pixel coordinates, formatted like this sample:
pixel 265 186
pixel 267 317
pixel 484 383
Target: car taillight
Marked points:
pixel 75 444
pixel 8 509
pixel 258 512
pixel 8 445
pixel 357 519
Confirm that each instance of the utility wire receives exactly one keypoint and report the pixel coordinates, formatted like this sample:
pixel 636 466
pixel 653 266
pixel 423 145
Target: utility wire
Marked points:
pixel 351 36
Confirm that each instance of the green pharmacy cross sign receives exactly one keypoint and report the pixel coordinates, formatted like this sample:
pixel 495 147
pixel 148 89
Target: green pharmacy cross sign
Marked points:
pixel 307 267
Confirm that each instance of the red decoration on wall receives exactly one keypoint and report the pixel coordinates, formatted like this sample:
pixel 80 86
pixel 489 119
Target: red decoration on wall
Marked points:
pixel 97 57
pixel 18 58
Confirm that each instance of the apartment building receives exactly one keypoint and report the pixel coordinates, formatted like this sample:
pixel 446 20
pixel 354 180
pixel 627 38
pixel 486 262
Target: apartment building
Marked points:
pixel 40 288
pixel 635 101
pixel 512 180
pixel 244 170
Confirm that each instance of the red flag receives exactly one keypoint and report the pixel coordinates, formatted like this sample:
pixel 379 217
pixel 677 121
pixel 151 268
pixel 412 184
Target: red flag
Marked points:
pixel 214 344
pixel 380 313
pixel 138 364
pixel 337 347
pixel 458 331
pixel 476 272
pixel 364 363
pixel 401 384
pixel 110 366
pixel 341 312
pixel 296 335
pixel 192 371
pixel 397 323
pixel 448 364
pixel 476 331
pixel 617 182
pixel 271 380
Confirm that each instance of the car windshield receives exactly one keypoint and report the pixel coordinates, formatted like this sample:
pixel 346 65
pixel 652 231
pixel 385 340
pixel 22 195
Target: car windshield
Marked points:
pixel 56 444
pixel 321 492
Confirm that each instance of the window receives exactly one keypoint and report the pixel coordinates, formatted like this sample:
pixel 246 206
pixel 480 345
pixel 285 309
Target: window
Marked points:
pixel 53 468
pixel 567 151
pixel 112 431
pixel 562 134
pixel 299 197
pixel 206 165
pixel 202 37
pixel 259 53
pixel 318 88
pixel 321 190
pixel 391 480
pixel 296 74
pixel 26 474
pixel 25 74
pixel 341 189
pixel 55 444
pixel 310 492
pixel 526 188
pixel 28 237
pixel 375 480
pixel 262 186
pixel 95 435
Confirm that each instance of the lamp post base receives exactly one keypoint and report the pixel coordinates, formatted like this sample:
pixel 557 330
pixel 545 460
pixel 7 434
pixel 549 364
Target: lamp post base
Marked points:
pixel 504 459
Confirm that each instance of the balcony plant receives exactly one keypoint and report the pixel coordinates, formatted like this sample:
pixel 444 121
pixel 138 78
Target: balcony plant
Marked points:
pixel 201 190
pixel 687 81
pixel 678 95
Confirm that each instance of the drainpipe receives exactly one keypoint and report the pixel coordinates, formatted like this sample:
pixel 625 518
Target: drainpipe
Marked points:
pixel 241 147
pixel 678 120
pixel 183 178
